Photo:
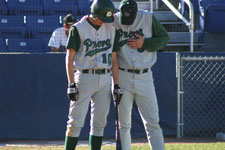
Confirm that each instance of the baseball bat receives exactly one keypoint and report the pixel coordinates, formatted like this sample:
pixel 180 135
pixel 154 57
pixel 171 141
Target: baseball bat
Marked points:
pixel 118 142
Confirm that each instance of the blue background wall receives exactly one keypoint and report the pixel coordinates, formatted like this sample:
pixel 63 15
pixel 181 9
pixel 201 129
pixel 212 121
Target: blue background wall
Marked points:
pixel 33 102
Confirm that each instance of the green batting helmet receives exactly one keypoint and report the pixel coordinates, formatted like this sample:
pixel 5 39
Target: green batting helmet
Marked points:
pixel 104 10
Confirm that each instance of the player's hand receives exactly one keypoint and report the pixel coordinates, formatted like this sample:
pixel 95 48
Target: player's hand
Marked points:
pixel 72 92
pixel 117 94
pixel 136 43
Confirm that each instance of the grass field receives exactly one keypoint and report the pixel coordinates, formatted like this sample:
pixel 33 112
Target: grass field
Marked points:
pixel 170 146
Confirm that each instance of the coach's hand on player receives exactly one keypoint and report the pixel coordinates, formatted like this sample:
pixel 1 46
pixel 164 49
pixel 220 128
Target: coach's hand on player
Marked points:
pixel 136 43
pixel 72 92
pixel 117 94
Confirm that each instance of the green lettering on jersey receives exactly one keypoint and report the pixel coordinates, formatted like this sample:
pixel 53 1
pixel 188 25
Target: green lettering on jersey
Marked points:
pixel 124 35
pixel 96 47
pixel 131 34
pixel 122 43
pixel 95 51
pixel 87 43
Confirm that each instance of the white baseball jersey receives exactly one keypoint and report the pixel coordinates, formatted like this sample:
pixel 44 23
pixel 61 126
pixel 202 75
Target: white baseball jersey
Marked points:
pixel 96 46
pixel 94 52
pixel 58 38
pixel 132 59
pixel 138 86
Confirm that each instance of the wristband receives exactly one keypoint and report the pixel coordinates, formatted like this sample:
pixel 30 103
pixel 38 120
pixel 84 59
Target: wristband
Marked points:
pixel 116 86
pixel 71 84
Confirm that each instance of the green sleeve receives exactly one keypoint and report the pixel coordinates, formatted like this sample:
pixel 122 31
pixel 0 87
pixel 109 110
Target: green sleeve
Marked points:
pixel 73 39
pixel 116 42
pixel 159 37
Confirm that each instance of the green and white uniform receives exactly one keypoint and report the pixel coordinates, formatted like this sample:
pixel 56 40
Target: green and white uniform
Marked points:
pixel 94 46
pixel 136 79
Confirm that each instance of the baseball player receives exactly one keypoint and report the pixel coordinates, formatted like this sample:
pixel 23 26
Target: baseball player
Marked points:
pixel 91 52
pixel 141 34
pixel 59 37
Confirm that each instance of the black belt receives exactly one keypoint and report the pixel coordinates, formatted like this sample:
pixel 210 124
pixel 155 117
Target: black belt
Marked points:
pixel 137 71
pixel 96 71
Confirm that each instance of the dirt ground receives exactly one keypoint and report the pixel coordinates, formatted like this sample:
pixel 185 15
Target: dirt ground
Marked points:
pixel 182 140
pixel 105 142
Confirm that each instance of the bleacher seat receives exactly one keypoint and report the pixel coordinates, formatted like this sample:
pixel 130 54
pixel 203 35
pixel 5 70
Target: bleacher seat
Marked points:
pixel 12 27
pixel 60 7
pixel 25 7
pixel 212 14
pixel 3 47
pixel 3 8
pixel 79 17
pixel 215 21
pixel 84 7
pixel 42 26
pixel 45 46
pixel 24 45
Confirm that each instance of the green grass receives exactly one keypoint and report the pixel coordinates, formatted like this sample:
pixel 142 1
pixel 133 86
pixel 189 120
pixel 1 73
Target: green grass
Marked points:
pixel 198 146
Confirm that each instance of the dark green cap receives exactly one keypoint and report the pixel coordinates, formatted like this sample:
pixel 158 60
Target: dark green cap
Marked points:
pixel 104 10
pixel 128 12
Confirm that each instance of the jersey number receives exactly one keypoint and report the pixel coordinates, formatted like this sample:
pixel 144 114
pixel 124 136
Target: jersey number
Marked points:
pixel 105 59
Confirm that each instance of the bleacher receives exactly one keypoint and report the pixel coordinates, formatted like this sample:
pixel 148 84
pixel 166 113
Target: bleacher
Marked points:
pixel 27 25
pixel 212 16
pixel 35 20
pixel 209 23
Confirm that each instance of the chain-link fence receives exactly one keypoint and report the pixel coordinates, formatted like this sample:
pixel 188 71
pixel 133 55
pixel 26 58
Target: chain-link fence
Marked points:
pixel 201 96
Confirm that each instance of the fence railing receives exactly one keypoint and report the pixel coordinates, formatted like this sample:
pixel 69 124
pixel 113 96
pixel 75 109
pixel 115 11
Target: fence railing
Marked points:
pixel 201 96
pixel 189 23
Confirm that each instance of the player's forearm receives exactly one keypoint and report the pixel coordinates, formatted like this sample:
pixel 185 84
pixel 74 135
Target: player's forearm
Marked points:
pixel 155 43
pixel 115 69
pixel 69 66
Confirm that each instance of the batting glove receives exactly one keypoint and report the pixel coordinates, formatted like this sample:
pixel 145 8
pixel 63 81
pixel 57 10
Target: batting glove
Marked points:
pixel 72 92
pixel 117 94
